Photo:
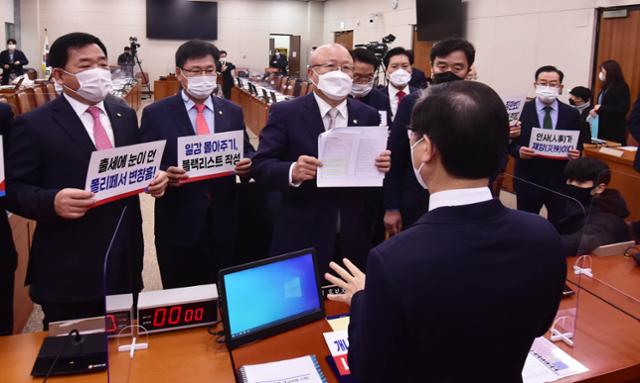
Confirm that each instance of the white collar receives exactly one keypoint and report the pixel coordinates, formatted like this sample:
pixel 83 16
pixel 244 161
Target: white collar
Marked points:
pixel 541 105
pixel 393 90
pixel 189 103
pixel 325 107
pixel 459 197
pixel 80 107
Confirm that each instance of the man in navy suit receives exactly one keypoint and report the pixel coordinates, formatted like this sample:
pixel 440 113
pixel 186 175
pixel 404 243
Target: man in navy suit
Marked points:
pixel 48 157
pixel 12 62
pixel 365 65
pixel 405 200
pixel 194 222
pixel 8 256
pixel 543 178
pixel 469 272
pixel 329 219
pixel 398 69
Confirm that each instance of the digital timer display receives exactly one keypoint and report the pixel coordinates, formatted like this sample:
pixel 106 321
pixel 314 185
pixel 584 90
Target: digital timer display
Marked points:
pixel 178 316
pixel 115 322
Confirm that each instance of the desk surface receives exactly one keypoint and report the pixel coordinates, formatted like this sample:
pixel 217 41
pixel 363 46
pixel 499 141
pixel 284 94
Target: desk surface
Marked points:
pixel 616 279
pixel 179 356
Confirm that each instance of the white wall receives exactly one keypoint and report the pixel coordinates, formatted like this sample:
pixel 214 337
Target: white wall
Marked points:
pixel 243 28
pixel 6 16
pixel 354 15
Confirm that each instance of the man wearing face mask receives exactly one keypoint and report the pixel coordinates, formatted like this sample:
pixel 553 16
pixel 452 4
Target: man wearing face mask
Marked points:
pixel 365 66
pixel 12 62
pixel 580 98
pixel 405 198
pixel 464 271
pixel 543 178
pixel 600 217
pixel 279 61
pixel 333 220
pixel 48 157
pixel 194 222
pixel 397 64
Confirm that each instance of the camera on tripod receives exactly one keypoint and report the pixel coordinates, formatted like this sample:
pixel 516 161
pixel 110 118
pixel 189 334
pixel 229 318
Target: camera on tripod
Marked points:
pixel 134 45
pixel 379 48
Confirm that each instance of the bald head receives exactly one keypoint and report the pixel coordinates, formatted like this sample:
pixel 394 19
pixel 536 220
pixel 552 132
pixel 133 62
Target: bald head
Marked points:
pixel 333 52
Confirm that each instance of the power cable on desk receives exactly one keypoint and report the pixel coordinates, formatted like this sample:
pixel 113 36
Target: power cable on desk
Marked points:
pixel 73 332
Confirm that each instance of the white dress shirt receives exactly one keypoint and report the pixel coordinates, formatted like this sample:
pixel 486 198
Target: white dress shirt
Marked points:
pixel 393 98
pixel 87 119
pixel 342 119
pixel 193 112
pixel 459 197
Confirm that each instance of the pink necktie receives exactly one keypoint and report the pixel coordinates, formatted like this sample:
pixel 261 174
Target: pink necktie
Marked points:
pixel 99 133
pixel 201 123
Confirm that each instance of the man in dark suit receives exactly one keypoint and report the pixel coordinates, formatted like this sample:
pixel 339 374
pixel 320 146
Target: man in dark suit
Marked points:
pixel 228 72
pixel 48 158
pixel 405 200
pixel 365 66
pixel 543 178
pixel 580 99
pixel 397 67
pixel 194 222
pixel 469 271
pixel 333 220
pixel 418 78
pixel 8 256
pixel 12 62
pixel 278 60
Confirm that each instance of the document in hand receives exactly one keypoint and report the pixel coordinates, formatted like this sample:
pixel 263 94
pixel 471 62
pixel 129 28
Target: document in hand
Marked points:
pixel 348 156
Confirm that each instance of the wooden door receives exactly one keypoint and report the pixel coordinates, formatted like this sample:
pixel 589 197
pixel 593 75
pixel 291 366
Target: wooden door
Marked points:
pixel 294 56
pixel 421 52
pixel 345 38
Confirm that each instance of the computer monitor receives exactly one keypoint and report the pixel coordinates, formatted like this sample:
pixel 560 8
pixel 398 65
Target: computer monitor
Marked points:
pixel 269 296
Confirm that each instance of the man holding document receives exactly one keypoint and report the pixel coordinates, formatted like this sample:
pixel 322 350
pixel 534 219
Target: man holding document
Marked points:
pixel 460 295
pixel 195 222
pixel 331 219
pixel 46 169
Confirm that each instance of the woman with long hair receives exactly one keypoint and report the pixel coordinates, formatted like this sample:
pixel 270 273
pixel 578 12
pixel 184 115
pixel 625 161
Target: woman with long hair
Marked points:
pixel 613 103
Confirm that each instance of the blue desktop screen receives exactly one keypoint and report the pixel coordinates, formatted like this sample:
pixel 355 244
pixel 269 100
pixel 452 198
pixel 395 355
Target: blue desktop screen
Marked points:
pixel 263 296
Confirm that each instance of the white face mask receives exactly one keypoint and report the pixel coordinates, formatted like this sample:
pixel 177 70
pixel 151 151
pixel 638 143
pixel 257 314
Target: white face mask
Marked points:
pixel 602 76
pixel 201 87
pixel 11 47
pixel 95 84
pixel 400 77
pixel 58 88
pixel 335 84
pixel 361 90
pixel 417 171
pixel 547 94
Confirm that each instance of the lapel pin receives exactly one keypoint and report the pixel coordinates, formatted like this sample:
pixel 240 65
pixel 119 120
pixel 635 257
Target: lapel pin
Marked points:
pixel 119 114
pixel 220 112
pixel 355 121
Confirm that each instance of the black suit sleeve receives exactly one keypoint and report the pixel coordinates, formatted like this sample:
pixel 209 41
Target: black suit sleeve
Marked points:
pixel 268 168
pixel 634 120
pixel 24 195
pixel 398 144
pixel 375 329
pixel 21 57
pixel 4 59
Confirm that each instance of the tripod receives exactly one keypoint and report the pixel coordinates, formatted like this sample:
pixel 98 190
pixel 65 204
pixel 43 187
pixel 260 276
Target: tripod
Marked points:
pixel 380 74
pixel 144 76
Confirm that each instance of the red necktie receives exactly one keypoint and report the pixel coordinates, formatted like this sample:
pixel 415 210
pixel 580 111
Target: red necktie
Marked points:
pixel 400 95
pixel 201 123
pixel 99 133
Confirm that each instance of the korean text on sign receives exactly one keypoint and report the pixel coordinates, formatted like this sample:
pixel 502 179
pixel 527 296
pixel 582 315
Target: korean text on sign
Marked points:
pixel 553 144
pixel 120 172
pixel 514 105
pixel 210 156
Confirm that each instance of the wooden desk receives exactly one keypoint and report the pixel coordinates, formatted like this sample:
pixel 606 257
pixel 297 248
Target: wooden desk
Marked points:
pixel 616 280
pixel 133 97
pixel 22 230
pixel 254 109
pixel 165 88
pixel 304 340
pixel 180 356
pixel 624 177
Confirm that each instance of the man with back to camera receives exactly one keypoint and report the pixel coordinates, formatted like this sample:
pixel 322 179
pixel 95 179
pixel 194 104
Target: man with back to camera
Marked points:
pixel 12 62
pixel 8 255
pixel 405 200
pixel 471 280
pixel 195 222
pixel 48 157
pixel 538 180
pixel 397 66
pixel 333 220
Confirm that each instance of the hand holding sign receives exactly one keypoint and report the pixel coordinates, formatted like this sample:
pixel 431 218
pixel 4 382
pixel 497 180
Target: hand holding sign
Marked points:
pixel 159 184
pixel 526 153
pixel 243 167
pixel 176 175
pixel 72 203
pixel 554 144
pixel 515 130
pixel 210 156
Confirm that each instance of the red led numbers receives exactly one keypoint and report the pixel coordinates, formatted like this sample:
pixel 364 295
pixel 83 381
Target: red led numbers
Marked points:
pixel 160 317
pixel 175 316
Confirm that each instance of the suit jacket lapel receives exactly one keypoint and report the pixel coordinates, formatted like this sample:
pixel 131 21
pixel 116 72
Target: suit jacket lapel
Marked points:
pixel 221 122
pixel 180 116
pixel 120 134
pixel 354 119
pixel 312 118
pixel 69 121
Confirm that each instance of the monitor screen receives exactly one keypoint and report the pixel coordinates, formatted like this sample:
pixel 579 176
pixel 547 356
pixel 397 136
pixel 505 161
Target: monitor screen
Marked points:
pixel 271 293
pixel 182 20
